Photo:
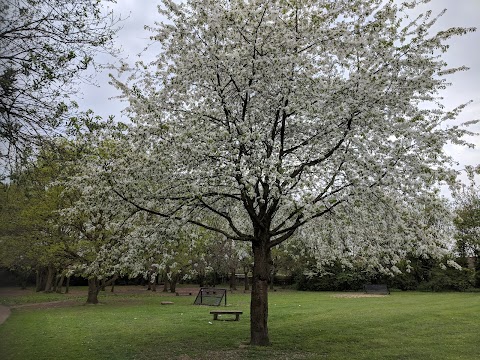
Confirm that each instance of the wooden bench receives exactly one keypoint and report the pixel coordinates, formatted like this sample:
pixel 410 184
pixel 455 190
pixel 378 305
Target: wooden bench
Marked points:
pixel 183 292
pixel 215 313
pixel 380 289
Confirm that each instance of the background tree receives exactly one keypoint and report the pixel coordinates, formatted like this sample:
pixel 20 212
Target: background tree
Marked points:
pixel 467 221
pixel 380 231
pixel 45 48
pixel 279 112
pixel 15 251
pixel 28 232
pixel 96 233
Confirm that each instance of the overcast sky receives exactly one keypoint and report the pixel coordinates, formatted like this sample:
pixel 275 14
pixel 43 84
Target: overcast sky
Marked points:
pixel 463 51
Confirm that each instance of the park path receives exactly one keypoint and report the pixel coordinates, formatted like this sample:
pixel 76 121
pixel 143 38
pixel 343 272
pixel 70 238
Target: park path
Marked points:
pixel 5 310
pixel 4 313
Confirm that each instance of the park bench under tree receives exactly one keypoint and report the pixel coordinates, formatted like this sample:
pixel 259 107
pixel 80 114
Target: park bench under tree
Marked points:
pixel 217 313
pixel 186 292
pixel 380 289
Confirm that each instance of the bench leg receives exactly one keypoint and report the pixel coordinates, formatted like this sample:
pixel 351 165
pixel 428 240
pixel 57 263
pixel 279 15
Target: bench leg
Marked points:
pixel 237 316
pixel 215 316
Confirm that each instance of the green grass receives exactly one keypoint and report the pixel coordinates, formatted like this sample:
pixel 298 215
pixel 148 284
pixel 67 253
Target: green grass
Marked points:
pixel 302 325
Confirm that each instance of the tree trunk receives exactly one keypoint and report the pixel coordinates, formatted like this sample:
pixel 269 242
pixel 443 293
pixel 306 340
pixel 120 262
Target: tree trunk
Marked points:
pixel 173 283
pixel 50 279
pixel 165 279
pixel 154 283
pixel 233 283
pixel 55 282
pixel 60 283
pixel 93 290
pixel 40 280
pixel 67 285
pixel 245 280
pixel 259 298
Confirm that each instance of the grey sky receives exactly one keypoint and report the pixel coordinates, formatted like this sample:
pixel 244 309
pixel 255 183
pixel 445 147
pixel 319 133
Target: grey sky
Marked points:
pixel 463 51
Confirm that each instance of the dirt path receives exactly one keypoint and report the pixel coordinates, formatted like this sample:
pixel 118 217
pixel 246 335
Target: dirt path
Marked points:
pixel 4 313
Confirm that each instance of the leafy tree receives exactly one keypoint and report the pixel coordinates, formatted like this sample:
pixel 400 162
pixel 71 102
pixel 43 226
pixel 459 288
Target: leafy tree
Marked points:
pixel 15 250
pixel 467 220
pixel 30 239
pixel 269 115
pixel 378 232
pixel 45 48
pixel 96 234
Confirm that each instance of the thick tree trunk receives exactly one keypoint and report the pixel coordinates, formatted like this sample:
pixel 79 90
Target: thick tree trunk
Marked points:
pixel 60 283
pixel 50 279
pixel 93 290
pixel 259 298
pixel 40 280
pixel 67 285
pixel 173 283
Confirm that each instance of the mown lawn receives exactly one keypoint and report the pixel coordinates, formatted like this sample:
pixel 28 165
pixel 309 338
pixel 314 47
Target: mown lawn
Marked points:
pixel 303 325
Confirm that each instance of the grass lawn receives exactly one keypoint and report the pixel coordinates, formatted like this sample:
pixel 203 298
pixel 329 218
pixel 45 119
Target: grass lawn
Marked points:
pixel 303 325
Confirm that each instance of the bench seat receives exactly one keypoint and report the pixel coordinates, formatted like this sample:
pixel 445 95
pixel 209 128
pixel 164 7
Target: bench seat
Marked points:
pixel 183 292
pixel 237 313
pixel 380 289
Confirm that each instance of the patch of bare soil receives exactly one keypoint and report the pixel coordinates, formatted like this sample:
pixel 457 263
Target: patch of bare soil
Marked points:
pixel 355 295
pixel 14 291
pixel 242 354
pixel 49 304
pixel 82 290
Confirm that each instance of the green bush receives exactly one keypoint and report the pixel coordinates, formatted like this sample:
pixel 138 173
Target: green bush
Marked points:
pixel 449 280
pixel 334 278
pixel 423 274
